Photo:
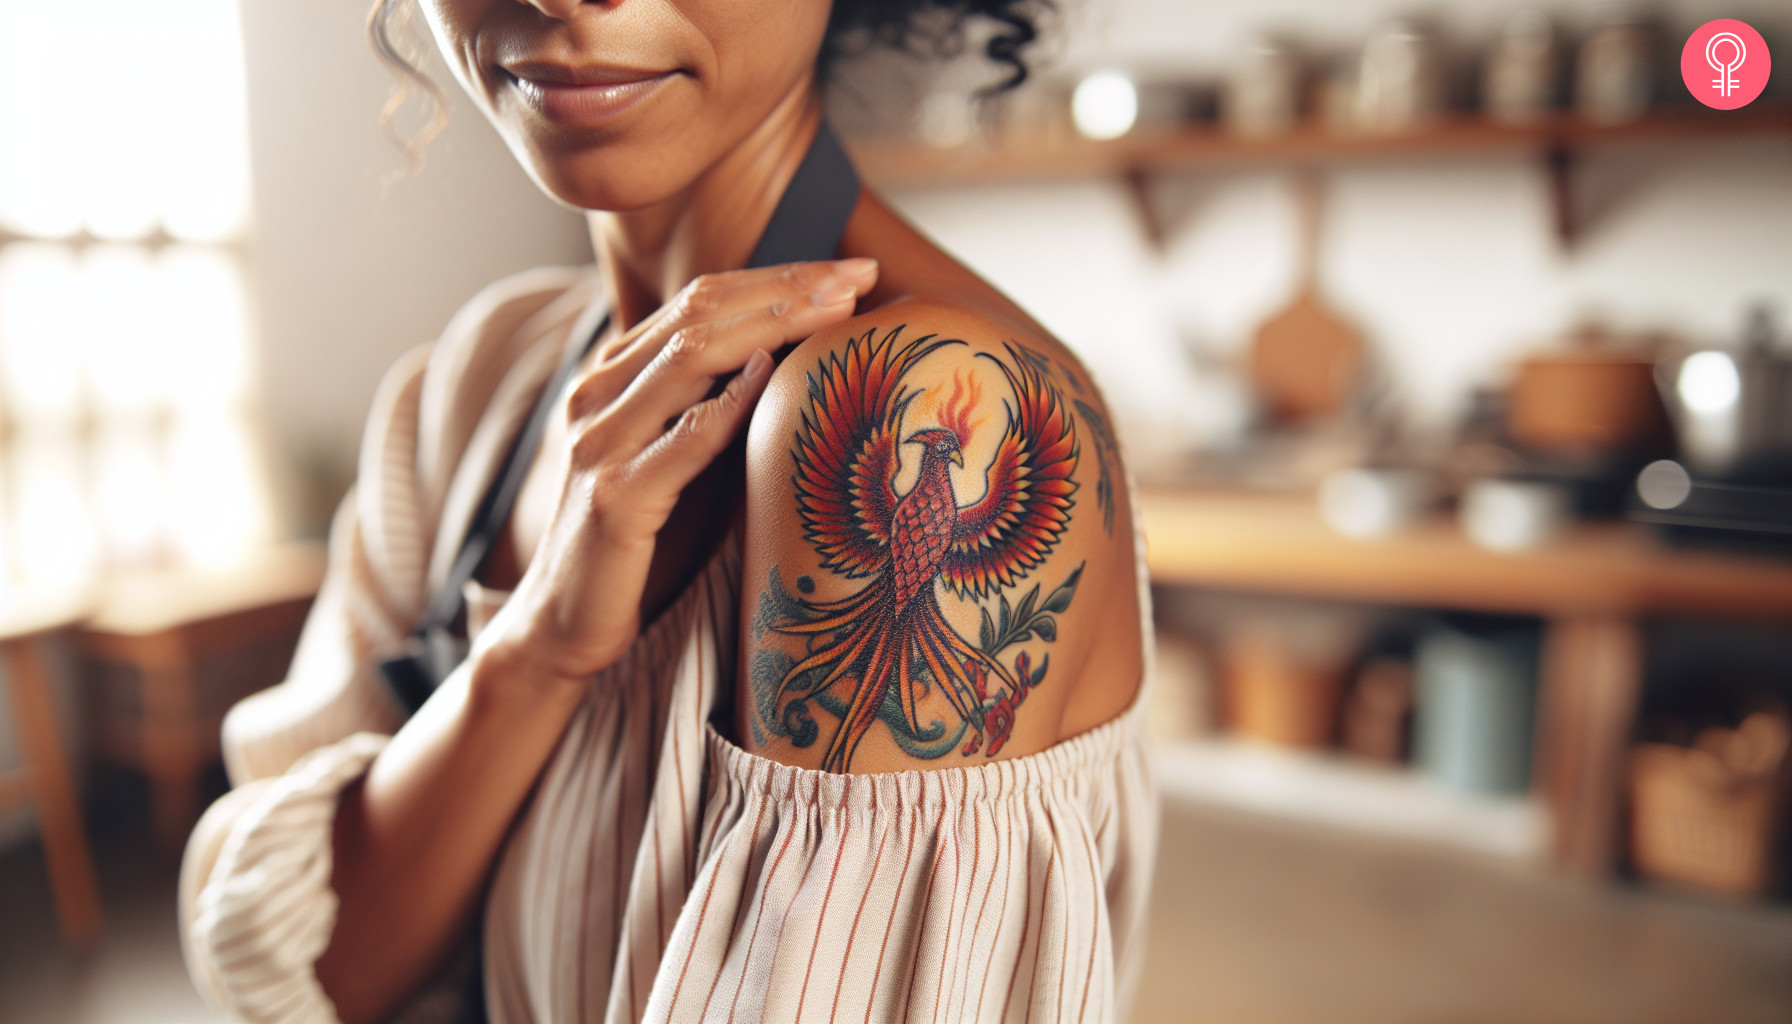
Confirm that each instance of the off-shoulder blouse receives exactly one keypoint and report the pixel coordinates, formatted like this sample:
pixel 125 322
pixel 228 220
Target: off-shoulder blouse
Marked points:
pixel 658 872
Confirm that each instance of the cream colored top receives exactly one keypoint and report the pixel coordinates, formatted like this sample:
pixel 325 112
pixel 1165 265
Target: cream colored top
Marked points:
pixel 659 872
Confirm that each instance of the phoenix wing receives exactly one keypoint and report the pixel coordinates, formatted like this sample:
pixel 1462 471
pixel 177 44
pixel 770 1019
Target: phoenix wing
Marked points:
pixel 846 450
pixel 1027 505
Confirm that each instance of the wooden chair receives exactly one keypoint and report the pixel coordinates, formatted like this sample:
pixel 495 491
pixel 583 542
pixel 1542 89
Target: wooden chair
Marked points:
pixel 44 781
pixel 169 651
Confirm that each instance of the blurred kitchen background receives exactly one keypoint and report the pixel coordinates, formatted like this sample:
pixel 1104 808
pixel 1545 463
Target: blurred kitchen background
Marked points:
pixel 1450 343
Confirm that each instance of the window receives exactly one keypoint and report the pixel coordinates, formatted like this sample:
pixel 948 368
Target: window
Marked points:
pixel 126 368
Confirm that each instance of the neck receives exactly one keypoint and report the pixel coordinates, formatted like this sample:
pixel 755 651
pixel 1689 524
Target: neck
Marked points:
pixel 647 255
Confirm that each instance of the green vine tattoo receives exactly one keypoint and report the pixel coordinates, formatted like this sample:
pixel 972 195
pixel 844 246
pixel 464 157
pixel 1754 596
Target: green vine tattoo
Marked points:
pixel 1107 456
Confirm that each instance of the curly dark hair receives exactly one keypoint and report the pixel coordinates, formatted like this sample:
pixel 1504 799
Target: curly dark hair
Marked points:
pixel 928 27
pixel 936 27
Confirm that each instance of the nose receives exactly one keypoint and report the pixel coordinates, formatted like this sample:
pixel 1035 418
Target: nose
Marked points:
pixel 560 9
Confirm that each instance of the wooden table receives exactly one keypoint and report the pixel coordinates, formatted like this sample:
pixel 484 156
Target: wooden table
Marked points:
pixel 163 625
pixel 28 619
pixel 1592 586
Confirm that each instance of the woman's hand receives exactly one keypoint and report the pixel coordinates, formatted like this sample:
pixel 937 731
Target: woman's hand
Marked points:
pixel 639 425
pixel 639 429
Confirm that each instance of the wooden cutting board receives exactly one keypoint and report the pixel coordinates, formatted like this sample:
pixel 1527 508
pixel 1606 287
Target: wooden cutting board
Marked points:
pixel 1307 360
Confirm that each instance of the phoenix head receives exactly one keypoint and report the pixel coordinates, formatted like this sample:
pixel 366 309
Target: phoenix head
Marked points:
pixel 939 441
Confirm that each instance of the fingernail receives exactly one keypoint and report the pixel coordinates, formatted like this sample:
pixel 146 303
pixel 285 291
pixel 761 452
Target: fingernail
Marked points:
pixel 757 365
pixel 858 266
pixel 834 295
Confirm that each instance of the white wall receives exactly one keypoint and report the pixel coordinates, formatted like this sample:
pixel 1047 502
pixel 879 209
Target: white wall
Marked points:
pixel 349 271
pixel 1449 265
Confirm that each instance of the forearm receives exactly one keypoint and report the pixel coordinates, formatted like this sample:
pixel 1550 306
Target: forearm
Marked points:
pixel 415 840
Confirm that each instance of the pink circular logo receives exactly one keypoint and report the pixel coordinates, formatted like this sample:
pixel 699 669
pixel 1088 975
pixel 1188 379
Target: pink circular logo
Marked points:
pixel 1725 64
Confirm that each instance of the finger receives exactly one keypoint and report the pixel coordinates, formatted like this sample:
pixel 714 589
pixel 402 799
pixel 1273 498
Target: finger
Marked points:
pixel 686 369
pixel 720 296
pixel 789 288
pixel 714 295
pixel 704 431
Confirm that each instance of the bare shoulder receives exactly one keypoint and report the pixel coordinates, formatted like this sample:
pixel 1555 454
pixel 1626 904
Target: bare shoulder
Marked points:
pixel 938 566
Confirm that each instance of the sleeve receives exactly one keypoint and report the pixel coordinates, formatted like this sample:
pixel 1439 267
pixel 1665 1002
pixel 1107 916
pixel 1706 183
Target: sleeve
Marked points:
pixel 433 411
pixel 371 593
pixel 266 910
pixel 256 905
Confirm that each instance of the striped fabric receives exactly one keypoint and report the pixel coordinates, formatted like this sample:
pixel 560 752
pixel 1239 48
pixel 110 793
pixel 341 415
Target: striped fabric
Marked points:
pixel 661 873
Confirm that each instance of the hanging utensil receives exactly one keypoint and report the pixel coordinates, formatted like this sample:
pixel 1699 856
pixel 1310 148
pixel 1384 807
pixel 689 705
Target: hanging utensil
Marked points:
pixel 1307 360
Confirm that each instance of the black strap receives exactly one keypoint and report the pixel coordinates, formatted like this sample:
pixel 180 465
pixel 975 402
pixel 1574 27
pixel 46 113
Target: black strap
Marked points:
pixel 807 225
pixel 812 214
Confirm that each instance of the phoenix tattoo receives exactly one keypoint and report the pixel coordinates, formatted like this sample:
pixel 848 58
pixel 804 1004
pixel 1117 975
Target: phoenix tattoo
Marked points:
pixel 879 653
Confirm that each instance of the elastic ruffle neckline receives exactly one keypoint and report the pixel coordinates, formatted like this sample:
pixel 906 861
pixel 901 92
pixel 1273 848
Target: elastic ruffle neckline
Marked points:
pixel 1066 763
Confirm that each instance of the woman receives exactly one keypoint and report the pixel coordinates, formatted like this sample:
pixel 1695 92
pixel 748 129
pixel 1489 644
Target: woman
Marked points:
pixel 920 795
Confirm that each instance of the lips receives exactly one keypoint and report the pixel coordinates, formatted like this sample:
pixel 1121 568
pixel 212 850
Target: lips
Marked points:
pixel 583 96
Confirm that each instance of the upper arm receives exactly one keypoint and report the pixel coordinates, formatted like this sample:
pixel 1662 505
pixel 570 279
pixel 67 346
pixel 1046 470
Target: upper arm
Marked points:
pixel 903 610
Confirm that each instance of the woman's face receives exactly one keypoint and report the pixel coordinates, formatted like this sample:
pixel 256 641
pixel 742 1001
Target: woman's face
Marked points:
pixel 619 104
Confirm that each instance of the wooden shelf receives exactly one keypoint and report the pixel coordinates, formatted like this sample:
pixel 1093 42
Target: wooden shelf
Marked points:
pixel 170 650
pixel 1279 544
pixel 1592 586
pixel 1134 158
pixel 1037 158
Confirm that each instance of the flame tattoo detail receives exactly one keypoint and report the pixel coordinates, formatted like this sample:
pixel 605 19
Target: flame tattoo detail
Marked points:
pixel 955 413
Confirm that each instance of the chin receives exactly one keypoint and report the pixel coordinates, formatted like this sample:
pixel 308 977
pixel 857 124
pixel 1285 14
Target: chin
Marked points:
pixel 643 156
pixel 636 162
pixel 607 181
pixel 614 172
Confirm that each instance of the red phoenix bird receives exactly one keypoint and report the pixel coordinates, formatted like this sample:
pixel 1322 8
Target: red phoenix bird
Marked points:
pixel 892 632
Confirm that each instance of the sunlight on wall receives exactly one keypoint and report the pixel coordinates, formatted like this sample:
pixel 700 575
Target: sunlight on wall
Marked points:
pixel 126 434
pixel 150 133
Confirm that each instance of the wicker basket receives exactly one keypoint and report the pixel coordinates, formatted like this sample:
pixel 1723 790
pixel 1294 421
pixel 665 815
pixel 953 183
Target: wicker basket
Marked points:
pixel 1273 696
pixel 1698 823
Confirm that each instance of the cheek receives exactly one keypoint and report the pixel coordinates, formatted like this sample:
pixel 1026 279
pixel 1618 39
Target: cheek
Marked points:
pixel 454 25
pixel 763 44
